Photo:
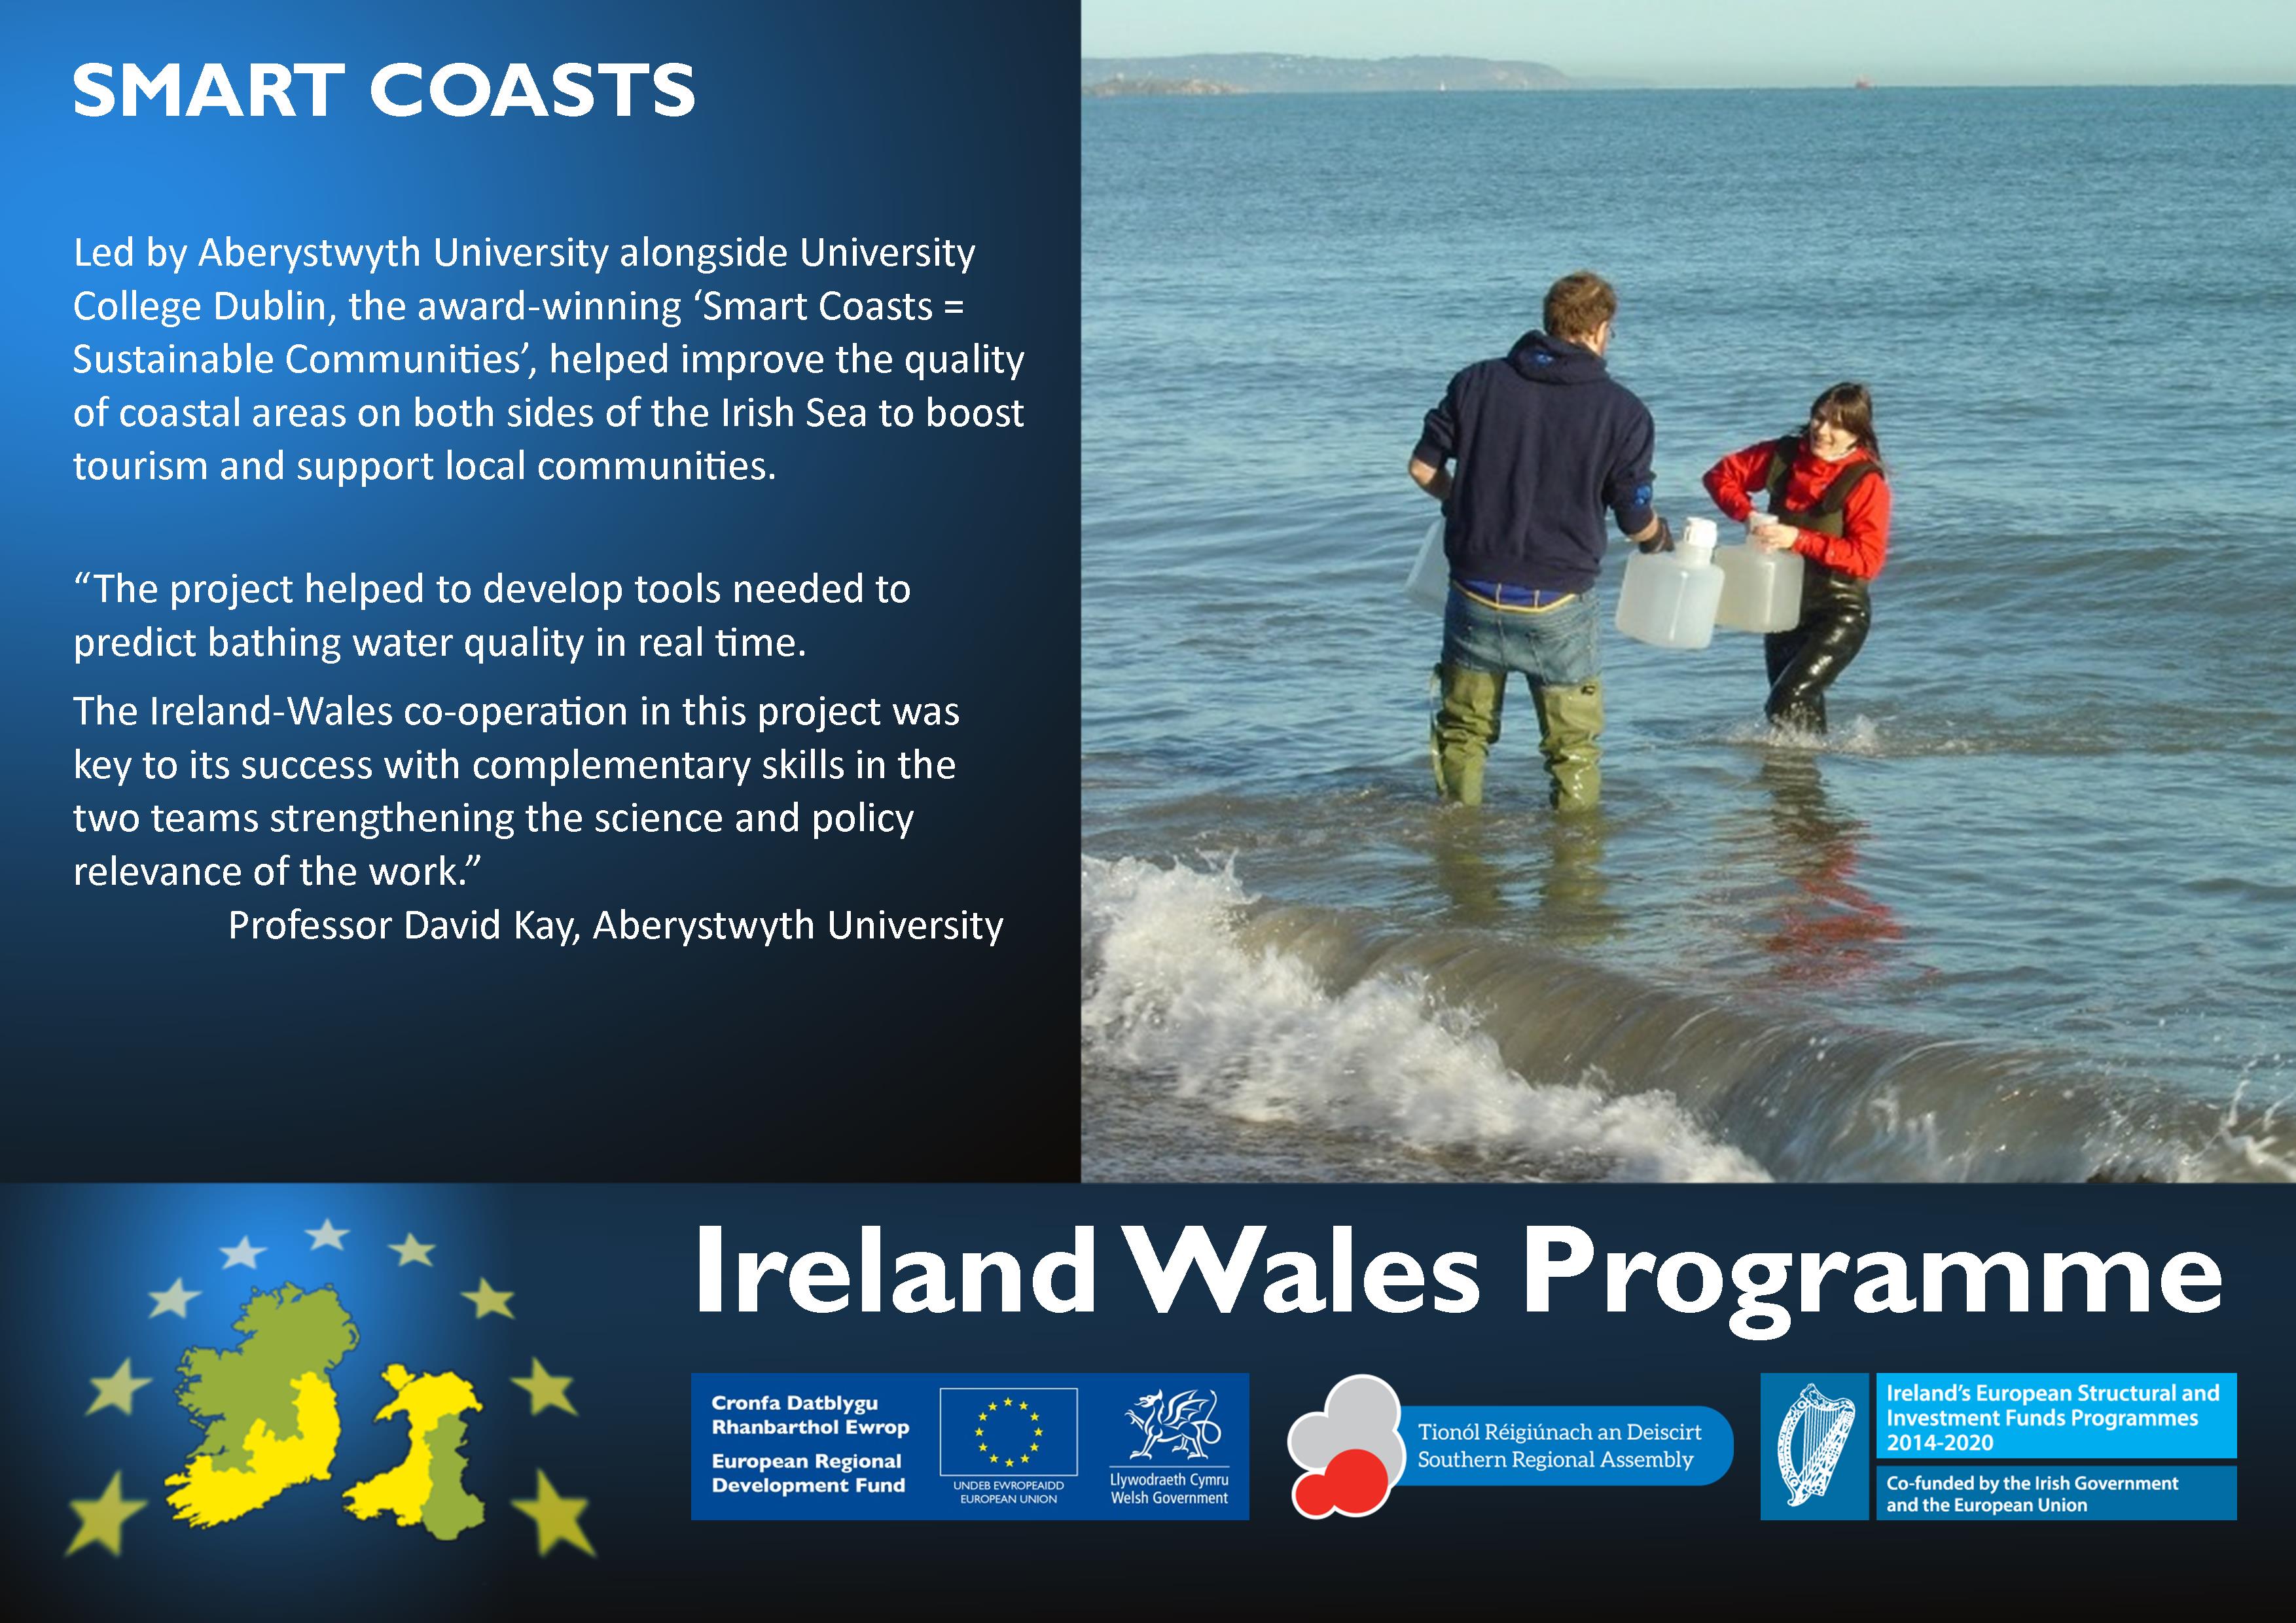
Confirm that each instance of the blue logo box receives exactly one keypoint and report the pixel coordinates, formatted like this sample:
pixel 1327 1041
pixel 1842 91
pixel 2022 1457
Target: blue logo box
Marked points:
pixel 1814 1454
pixel 1157 1447
pixel 1974 1490
pixel 2057 1416
pixel 1564 1445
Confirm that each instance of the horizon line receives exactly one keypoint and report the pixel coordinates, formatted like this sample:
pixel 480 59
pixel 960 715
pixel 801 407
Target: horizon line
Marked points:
pixel 1596 85
pixel 1617 81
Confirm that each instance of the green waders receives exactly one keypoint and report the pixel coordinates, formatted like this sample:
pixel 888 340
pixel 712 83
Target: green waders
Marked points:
pixel 1467 724
pixel 1569 721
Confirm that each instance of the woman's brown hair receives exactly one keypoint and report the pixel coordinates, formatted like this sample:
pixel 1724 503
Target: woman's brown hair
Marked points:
pixel 1849 407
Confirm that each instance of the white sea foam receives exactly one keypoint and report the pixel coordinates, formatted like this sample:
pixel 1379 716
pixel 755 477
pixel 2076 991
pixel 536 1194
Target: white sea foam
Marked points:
pixel 1171 991
pixel 1861 736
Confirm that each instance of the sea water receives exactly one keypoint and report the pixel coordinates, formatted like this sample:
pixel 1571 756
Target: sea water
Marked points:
pixel 2028 912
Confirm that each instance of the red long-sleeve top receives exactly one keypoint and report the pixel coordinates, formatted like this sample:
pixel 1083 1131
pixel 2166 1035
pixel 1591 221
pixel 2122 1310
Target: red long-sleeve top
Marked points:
pixel 1863 542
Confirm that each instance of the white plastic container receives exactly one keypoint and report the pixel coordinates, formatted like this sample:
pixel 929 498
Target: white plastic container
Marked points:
pixel 1761 590
pixel 1431 573
pixel 1669 598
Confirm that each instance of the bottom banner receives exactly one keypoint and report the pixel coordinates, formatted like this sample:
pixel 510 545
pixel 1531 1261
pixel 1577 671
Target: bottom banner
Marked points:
pixel 497 1400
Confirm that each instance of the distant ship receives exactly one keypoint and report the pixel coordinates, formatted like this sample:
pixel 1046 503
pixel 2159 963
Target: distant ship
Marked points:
pixel 1862 83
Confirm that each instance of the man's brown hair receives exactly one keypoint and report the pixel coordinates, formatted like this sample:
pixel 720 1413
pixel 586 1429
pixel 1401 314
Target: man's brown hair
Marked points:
pixel 1579 303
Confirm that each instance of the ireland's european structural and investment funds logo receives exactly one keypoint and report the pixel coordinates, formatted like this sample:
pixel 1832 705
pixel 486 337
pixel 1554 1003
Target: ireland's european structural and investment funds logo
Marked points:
pixel 1820 1465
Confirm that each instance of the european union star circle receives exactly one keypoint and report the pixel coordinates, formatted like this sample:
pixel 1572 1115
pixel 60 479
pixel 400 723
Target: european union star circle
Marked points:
pixel 1008 1434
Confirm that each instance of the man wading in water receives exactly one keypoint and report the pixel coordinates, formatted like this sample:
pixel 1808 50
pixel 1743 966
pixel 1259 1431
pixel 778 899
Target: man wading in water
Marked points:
pixel 1544 441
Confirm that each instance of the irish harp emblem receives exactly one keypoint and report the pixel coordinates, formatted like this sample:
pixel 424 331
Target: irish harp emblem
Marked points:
pixel 1810 1440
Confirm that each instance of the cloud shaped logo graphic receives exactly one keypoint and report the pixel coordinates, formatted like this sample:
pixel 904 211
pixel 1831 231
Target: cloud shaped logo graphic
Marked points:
pixel 1350 1450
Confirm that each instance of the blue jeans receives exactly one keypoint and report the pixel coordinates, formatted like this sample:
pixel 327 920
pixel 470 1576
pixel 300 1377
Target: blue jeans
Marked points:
pixel 1560 645
pixel 1558 651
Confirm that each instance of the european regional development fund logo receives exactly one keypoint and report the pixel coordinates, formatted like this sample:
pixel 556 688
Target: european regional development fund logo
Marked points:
pixel 1821 1466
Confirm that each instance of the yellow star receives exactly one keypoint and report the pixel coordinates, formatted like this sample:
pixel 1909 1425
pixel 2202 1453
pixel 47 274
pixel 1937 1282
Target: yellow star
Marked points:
pixel 983 1415
pixel 489 1299
pixel 1040 1432
pixel 411 1249
pixel 548 1390
pixel 174 1300
pixel 1008 1403
pixel 555 1519
pixel 1008 1462
pixel 100 1519
pixel 984 1447
pixel 117 1391
pixel 976 1431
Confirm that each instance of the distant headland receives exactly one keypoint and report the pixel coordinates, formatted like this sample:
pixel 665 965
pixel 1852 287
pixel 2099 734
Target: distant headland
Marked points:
pixel 1125 85
pixel 1263 73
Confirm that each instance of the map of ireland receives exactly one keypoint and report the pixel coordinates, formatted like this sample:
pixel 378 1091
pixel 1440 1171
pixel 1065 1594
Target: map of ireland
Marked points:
pixel 268 1412
pixel 427 1485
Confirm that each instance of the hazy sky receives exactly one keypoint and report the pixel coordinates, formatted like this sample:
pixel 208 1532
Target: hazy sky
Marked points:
pixel 1748 42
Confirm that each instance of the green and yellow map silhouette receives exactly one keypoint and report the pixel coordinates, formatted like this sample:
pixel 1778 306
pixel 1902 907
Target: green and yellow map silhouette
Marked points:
pixel 272 1422
pixel 427 1485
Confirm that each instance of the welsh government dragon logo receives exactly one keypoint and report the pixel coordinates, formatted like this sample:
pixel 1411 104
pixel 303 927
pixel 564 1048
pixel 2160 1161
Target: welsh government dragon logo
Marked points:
pixel 1182 1421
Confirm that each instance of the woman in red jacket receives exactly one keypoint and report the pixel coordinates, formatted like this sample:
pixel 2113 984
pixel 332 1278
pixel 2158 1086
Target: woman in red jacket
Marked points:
pixel 1828 499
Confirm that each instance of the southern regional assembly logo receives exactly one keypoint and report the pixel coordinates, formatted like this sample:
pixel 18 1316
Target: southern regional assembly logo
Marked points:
pixel 1350 1452
pixel 1183 1423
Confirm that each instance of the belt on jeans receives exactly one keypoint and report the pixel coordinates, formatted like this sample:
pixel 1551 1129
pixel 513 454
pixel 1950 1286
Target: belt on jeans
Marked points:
pixel 1510 599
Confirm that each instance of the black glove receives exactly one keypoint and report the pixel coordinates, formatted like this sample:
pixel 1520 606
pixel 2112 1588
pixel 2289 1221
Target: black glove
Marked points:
pixel 1662 542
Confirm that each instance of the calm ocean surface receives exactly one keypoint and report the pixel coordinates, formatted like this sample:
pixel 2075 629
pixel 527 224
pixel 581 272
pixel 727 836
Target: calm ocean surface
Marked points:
pixel 2031 914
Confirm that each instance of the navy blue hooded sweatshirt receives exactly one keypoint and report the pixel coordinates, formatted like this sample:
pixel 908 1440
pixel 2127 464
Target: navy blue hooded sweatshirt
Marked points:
pixel 1544 440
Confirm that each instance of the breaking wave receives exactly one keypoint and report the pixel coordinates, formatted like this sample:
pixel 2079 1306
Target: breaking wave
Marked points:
pixel 1499 1059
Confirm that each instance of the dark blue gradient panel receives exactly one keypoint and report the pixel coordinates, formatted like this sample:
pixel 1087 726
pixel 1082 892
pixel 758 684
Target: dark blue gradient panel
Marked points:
pixel 603 1291
pixel 148 1043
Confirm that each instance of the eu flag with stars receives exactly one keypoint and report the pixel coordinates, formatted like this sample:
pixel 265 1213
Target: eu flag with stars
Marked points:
pixel 1008 1431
